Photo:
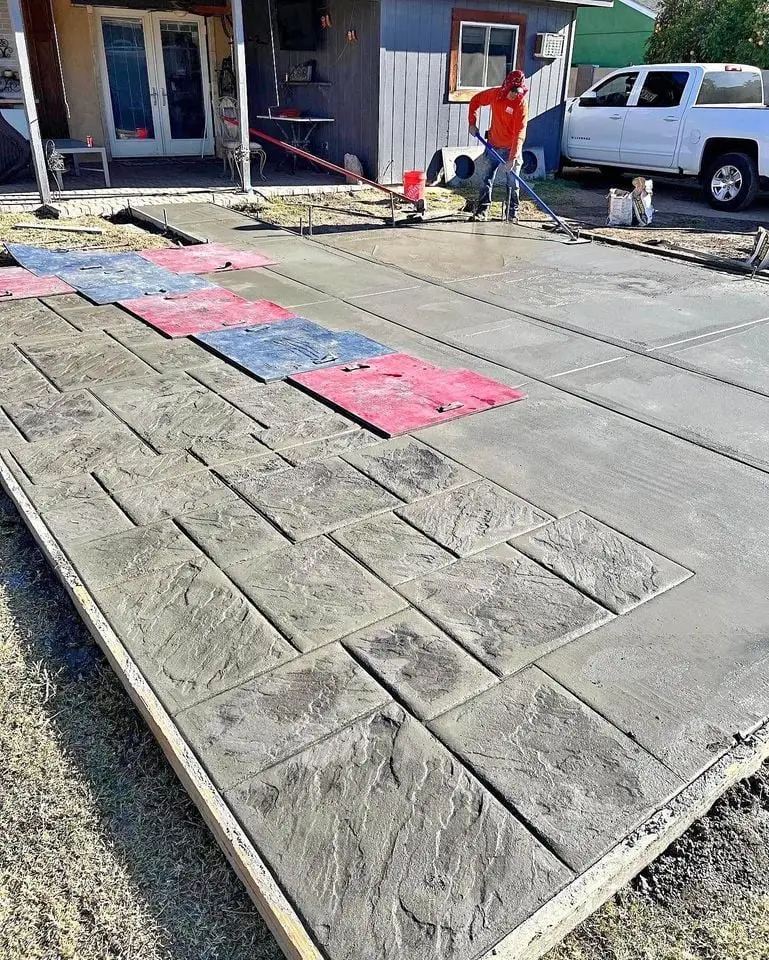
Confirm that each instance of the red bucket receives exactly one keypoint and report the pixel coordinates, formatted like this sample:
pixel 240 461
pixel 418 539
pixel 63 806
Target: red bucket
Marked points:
pixel 414 184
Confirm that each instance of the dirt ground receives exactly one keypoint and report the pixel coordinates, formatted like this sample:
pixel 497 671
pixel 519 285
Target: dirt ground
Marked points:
pixel 104 857
pixel 581 202
pixel 118 236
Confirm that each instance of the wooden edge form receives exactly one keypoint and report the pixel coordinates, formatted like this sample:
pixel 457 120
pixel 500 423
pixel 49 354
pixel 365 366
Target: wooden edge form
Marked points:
pixel 546 928
pixel 270 901
pixel 143 216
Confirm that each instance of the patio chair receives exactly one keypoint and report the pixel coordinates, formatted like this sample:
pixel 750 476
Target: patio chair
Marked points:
pixel 228 110
pixel 55 163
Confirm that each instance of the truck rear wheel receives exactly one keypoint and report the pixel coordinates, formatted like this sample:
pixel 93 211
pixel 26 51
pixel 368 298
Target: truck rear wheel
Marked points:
pixel 731 182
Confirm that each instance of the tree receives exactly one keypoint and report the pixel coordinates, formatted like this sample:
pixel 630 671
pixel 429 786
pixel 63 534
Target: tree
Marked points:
pixel 716 31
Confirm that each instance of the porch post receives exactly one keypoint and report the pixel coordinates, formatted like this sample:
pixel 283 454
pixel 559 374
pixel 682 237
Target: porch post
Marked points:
pixel 28 94
pixel 239 56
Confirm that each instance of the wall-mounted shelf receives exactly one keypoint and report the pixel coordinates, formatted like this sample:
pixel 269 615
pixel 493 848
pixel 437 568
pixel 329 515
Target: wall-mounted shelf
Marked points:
pixel 307 83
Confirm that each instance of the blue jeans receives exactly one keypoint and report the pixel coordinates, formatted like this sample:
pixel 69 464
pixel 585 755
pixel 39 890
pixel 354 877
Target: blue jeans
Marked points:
pixel 493 163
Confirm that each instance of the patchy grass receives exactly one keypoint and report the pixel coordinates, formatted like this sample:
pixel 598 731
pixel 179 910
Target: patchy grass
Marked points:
pixel 116 237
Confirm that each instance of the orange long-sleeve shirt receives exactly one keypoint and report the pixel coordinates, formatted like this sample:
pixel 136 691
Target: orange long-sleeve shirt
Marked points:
pixel 508 119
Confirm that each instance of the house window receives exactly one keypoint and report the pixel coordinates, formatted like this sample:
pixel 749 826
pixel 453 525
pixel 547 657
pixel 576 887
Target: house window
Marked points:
pixel 486 54
pixel 485 46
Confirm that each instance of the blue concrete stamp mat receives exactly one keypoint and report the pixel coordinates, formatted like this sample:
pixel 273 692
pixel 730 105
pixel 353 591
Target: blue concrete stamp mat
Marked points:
pixel 50 263
pixel 275 351
pixel 129 277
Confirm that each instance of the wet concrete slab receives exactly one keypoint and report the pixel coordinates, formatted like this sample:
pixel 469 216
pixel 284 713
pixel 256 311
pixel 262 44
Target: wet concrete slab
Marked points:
pixel 435 679
pixel 265 720
pixel 553 759
pixel 619 295
pixel 724 418
pixel 424 668
pixel 388 770
pixel 740 357
pixel 315 592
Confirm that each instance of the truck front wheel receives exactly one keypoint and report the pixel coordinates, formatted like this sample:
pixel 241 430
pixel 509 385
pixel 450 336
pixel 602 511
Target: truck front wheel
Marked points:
pixel 731 182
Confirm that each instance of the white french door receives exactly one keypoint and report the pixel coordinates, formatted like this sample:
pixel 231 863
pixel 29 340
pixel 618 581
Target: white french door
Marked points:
pixel 156 88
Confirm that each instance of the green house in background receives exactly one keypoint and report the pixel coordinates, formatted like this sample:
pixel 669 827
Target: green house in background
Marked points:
pixel 615 36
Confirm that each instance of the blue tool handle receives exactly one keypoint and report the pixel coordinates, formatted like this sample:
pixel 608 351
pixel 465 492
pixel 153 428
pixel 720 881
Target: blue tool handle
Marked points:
pixel 527 188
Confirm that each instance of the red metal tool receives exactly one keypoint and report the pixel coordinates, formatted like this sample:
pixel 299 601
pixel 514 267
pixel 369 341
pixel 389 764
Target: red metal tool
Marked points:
pixel 418 204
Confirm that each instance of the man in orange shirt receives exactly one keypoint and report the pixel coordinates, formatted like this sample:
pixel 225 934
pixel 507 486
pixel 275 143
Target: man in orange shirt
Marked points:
pixel 509 116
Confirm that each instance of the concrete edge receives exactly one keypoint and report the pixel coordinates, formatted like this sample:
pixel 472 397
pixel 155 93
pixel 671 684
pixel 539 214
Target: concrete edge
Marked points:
pixel 684 255
pixel 270 901
pixel 547 927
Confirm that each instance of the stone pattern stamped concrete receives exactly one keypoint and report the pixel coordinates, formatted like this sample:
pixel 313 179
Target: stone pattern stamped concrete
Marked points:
pixel 422 673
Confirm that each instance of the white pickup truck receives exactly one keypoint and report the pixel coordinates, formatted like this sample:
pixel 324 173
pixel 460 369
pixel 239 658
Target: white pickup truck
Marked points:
pixel 705 120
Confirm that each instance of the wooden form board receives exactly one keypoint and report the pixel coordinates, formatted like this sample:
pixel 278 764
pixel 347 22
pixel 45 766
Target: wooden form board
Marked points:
pixel 531 939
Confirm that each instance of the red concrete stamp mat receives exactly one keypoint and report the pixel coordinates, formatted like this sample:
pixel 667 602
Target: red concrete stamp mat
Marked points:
pixel 204 311
pixel 398 393
pixel 207 258
pixel 16 283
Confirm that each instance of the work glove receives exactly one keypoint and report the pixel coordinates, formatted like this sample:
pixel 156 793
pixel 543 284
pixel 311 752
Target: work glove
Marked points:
pixel 473 130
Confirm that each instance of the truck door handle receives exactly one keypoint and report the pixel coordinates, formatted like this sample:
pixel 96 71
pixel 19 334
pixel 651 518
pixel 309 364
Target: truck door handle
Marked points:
pixel 671 119
pixel 616 116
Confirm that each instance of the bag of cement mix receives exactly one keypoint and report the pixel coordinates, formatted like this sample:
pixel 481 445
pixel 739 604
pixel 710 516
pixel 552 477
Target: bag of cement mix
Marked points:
pixel 643 211
pixel 620 208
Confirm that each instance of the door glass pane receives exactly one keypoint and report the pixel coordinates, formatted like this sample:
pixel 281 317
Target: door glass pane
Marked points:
pixel 733 86
pixel 502 43
pixel 472 56
pixel 616 91
pixel 129 87
pixel 183 79
pixel 663 88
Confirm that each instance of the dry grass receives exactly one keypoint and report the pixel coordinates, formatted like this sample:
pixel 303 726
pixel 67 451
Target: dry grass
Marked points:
pixel 370 208
pixel 102 854
pixel 117 237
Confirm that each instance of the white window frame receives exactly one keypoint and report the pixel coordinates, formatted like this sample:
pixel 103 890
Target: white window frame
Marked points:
pixel 488 26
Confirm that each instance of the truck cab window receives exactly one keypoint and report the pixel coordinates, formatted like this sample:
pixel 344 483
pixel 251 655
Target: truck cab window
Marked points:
pixel 615 92
pixel 663 88
pixel 723 87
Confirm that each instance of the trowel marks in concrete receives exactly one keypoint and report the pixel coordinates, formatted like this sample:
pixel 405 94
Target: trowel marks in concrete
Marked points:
pixel 207 258
pixel 399 393
pixel 204 311
pixel 276 351
pixel 16 283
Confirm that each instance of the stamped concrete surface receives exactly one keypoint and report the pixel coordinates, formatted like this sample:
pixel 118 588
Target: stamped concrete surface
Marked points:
pixel 439 677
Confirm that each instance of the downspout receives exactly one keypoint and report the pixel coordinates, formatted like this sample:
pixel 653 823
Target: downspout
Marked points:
pixel 28 95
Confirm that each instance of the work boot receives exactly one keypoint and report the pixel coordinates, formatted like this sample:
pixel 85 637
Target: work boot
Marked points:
pixel 481 216
pixel 512 216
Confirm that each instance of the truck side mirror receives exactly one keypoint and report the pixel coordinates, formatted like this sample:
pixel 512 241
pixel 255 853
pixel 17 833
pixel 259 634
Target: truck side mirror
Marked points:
pixel 588 99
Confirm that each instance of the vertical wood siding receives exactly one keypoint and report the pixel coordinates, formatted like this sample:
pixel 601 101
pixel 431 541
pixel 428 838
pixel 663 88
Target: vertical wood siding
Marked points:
pixel 352 69
pixel 416 118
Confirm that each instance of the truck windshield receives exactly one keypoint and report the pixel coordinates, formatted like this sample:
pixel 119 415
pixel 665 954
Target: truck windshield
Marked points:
pixel 731 86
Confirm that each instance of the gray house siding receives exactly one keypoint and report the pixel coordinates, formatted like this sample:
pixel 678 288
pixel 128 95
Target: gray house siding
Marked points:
pixel 352 98
pixel 416 118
